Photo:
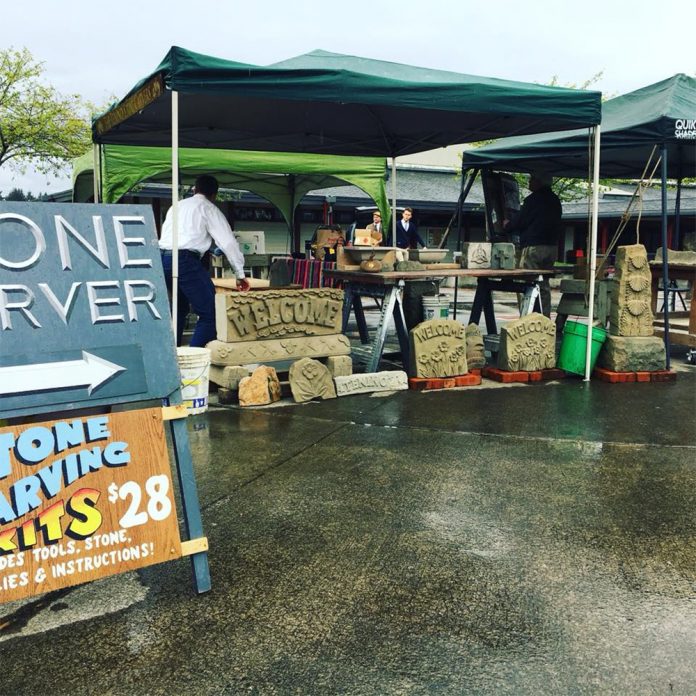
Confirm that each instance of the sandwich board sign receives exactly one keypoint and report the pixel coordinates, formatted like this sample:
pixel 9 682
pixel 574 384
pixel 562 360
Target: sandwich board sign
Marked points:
pixel 85 326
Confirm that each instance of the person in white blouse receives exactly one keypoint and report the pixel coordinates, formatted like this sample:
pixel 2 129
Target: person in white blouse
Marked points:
pixel 201 223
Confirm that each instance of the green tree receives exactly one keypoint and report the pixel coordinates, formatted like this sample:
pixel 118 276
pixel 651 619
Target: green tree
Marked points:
pixel 16 194
pixel 38 125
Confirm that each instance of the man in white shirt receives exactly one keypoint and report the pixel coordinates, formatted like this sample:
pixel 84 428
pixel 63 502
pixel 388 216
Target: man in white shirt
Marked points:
pixel 201 223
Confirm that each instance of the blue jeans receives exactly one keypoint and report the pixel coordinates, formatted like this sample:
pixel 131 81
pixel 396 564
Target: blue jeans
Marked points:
pixel 195 292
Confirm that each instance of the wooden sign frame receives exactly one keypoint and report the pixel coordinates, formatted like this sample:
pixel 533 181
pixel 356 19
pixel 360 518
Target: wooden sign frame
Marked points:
pixel 85 497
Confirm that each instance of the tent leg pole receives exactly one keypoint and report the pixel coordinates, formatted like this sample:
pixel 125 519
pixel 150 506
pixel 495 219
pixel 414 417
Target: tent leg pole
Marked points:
pixel 96 173
pixel 677 216
pixel 592 251
pixel 175 210
pixel 393 178
pixel 665 272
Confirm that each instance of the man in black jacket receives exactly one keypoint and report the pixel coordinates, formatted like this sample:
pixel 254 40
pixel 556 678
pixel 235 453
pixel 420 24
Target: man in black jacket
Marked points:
pixel 539 227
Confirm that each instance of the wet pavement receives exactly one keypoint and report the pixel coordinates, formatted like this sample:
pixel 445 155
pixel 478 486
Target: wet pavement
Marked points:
pixel 518 539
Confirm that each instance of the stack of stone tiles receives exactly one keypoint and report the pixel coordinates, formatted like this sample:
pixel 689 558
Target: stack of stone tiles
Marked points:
pixel 631 345
pixel 270 326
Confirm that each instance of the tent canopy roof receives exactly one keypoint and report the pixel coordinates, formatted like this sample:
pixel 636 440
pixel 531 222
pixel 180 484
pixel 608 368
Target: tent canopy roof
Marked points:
pixel 325 102
pixel 632 125
pixel 282 178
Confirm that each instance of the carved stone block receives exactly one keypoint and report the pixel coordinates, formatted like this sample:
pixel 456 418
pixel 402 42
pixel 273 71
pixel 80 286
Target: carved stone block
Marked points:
pixel 633 354
pixel 371 382
pixel 528 344
pixel 228 376
pixel 309 379
pixel 630 313
pixel 340 365
pixel 683 258
pixel 410 266
pixel 438 349
pixel 476 255
pixel 262 388
pixel 270 314
pixel 475 354
pixel 503 255
pixel 245 352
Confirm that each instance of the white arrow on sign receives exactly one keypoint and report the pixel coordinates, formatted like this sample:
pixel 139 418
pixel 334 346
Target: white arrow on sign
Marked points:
pixel 89 372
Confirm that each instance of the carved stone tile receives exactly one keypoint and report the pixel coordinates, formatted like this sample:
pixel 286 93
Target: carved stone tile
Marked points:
pixel 476 255
pixel 309 379
pixel 503 255
pixel 261 388
pixel 272 314
pixel 633 354
pixel 371 382
pixel 438 349
pixel 244 352
pixel 475 355
pixel 340 365
pixel 630 313
pixel 528 344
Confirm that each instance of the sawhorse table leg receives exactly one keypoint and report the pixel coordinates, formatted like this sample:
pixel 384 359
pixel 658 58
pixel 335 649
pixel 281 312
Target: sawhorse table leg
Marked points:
pixel 391 307
pixel 483 301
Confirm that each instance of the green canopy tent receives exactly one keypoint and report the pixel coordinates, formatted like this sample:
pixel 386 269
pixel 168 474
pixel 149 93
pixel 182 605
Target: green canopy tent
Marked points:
pixel 325 102
pixel 329 103
pixel 661 116
pixel 281 178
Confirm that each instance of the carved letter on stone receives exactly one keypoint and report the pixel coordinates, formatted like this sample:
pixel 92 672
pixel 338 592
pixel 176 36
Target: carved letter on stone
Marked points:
pixel 309 379
pixel 475 355
pixel 528 344
pixel 269 314
pixel 371 382
pixel 630 313
pixel 438 349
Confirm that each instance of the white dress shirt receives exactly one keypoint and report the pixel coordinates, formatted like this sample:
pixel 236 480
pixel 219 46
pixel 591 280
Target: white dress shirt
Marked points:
pixel 201 223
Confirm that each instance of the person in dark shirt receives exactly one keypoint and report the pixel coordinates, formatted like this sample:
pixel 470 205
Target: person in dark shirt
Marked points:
pixel 538 227
pixel 407 236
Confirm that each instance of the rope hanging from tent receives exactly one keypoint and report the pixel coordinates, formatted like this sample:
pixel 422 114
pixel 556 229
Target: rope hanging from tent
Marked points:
pixel 637 197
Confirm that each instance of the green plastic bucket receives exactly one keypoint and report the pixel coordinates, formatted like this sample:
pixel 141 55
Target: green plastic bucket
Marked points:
pixel 574 347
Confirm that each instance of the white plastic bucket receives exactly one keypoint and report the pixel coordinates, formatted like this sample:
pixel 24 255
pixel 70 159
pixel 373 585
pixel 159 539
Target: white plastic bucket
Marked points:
pixel 435 307
pixel 194 366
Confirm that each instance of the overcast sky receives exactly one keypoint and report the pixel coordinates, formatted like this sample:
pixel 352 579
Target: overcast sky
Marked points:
pixel 98 49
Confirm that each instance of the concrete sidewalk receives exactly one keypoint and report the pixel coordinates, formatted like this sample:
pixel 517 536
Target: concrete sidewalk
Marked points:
pixel 521 539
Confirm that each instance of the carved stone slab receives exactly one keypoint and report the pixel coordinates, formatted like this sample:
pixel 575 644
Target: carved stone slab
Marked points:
pixel 630 313
pixel 633 354
pixel 476 255
pixel 244 352
pixel 228 376
pixel 340 365
pixel 371 382
pixel 475 355
pixel 268 314
pixel 309 379
pixel 438 349
pixel 528 344
pixel 684 258
pixel 503 255
pixel 261 388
